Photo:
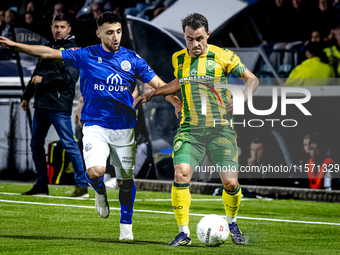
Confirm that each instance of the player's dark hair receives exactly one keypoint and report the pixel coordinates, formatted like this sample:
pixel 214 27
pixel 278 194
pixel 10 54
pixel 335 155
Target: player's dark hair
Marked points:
pixel 195 21
pixel 257 140
pixel 108 17
pixel 314 48
pixel 61 17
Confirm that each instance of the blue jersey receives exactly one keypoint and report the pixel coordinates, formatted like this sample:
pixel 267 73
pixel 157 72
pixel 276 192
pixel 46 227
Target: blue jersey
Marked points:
pixel 106 82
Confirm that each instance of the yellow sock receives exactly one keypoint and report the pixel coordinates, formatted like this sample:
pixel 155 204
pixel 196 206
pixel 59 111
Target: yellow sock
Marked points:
pixel 181 200
pixel 232 200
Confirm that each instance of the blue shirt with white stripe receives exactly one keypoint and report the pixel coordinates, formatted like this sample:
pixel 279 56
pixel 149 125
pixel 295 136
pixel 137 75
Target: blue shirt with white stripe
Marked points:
pixel 106 82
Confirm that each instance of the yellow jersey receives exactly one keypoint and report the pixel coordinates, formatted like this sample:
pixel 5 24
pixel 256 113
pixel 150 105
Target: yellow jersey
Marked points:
pixel 198 77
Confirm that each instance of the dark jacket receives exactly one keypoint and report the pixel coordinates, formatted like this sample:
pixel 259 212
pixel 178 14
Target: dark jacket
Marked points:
pixel 56 92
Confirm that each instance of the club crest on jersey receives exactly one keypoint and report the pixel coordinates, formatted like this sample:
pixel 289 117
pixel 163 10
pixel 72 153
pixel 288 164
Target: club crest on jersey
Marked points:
pixel 88 147
pixel 177 145
pixel 100 60
pixel 125 65
pixel 210 64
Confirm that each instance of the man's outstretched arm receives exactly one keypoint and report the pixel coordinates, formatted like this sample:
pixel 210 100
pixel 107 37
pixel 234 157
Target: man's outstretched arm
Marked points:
pixel 168 89
pixel 40 51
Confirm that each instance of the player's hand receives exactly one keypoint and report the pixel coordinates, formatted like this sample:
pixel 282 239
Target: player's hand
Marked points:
pixel 142 99
pixel 24 105
pixel 251 161
pixel 37 79
pixel 178 107
pixel 5 42
pixel 230 105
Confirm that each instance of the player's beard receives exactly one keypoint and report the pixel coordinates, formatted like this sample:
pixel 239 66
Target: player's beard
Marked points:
pixel 197 53
pixel 112 47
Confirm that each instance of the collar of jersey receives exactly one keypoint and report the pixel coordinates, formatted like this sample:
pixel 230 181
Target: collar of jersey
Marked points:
pixel 109 54
pixel 206 52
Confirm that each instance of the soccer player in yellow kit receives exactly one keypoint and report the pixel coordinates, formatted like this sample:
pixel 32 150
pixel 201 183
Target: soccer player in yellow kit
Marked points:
pixel 198 69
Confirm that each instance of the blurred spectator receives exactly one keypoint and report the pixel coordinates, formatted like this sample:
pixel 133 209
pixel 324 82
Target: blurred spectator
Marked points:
pixel 2 17
pixel 149 12
pixel 9 21
pixel 325 16
pixel 320 168
pixel 333 50
pixel 308 71
pixel 88 5
pixel 59 9
pixel 155 9
pixel 119 8
pixel 95 11
pixel 287 33
pixel 29 17
pixel 297 177
pixel 316 36
pixel 256 152
pixel 30 7
pixel 136 10
pixel 257 158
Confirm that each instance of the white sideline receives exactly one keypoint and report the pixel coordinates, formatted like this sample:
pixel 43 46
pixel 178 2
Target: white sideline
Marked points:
pixel 137 200
pixel 162 212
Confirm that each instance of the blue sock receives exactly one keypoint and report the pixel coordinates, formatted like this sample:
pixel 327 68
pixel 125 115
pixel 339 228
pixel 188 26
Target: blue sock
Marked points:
pixel 127 199
pixel 98 186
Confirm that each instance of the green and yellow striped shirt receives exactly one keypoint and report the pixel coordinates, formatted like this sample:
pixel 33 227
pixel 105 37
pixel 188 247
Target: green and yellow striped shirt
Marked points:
pixel 198 77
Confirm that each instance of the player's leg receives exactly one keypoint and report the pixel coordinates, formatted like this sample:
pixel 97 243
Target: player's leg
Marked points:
pixel 231 197
pixel 181 200
pixel 188 153
pixel 224 154
pixel 96 151
pixel 123 153
pixel 62 123
pixel 41 124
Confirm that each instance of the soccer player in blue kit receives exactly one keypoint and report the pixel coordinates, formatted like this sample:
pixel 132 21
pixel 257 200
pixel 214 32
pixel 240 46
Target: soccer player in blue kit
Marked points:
pixel 108 74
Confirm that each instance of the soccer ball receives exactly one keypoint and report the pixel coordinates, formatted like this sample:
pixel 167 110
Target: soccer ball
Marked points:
pixel 212 230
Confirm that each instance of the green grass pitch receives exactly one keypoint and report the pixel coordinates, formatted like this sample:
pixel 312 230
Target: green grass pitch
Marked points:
pixel 56 224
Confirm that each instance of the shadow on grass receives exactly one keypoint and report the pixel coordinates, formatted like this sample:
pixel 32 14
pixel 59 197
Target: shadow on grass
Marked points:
pixel 99 240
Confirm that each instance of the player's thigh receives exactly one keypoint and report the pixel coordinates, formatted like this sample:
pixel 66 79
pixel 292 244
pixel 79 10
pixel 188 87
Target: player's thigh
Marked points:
pixel 189 147
pixel 96 149
pixel 223 152
pixel 123 153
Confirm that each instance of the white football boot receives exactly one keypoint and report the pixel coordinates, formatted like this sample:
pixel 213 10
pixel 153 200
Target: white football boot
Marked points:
pixel 126 232
pixel 102 205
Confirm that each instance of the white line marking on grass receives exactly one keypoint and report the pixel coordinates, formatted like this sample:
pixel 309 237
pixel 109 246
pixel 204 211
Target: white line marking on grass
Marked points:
pixel 163 212
pixel 137 200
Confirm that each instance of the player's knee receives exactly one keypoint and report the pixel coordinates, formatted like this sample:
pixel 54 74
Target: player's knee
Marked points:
pixel 125 185
pixel 96 172
pixel 230 183
pixel 182 175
